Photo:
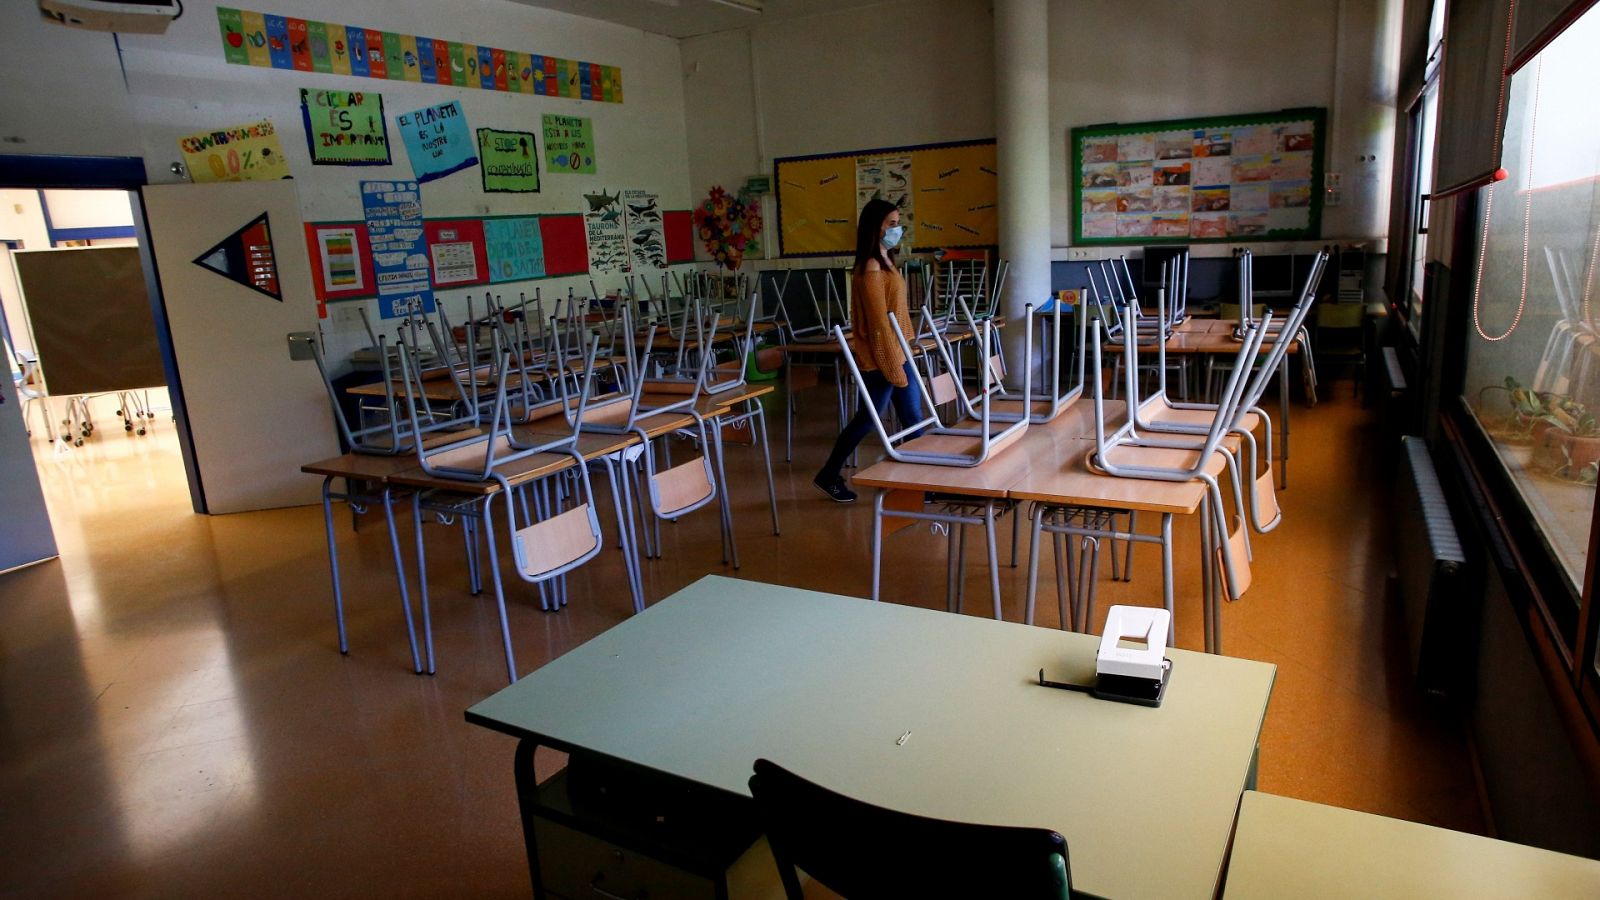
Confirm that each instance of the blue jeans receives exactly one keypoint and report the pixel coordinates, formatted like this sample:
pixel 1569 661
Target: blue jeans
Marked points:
pixel 907 405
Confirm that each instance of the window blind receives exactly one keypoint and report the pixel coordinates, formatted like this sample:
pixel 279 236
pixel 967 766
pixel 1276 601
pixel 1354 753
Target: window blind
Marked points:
pixel 1472 93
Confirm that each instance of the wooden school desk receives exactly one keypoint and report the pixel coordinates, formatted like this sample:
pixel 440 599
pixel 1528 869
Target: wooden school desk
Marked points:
pixel 1291 848
pixel 363 474
pixel 914 710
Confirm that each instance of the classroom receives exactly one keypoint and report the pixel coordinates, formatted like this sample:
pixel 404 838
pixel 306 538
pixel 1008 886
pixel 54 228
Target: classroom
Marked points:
pixel 799 448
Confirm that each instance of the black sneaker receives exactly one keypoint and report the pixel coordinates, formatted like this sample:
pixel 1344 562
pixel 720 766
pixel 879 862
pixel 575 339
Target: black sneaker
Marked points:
pixel 836 490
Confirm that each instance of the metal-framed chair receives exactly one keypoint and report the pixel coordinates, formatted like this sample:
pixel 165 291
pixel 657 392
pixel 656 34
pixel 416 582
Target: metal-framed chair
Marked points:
pixel 931 441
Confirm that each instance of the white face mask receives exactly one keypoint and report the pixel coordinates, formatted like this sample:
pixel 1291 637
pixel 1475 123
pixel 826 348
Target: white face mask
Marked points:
pixel 892 236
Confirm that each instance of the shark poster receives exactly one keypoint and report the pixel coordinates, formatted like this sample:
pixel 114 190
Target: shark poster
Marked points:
pixel 605 231
pixel 646 242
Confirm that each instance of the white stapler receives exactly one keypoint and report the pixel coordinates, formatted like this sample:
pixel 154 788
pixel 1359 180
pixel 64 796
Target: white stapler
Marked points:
pixel 1131 664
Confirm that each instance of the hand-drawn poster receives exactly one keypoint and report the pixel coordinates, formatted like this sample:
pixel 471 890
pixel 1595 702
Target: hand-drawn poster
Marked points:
pixel 240 153
pixel 516 249
pixel 341 267
pixel 568 144
pixel 393 210
pixel 888 178
pixel 437 140
pixel 605 233
pixel 646 240
pixel 345 128
pixel 510 161
pixel 1226 178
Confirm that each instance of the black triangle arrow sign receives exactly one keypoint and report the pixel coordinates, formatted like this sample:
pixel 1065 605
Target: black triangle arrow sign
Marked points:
pixel 246 257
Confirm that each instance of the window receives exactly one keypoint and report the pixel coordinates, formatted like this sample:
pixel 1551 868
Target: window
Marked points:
pixel 1533 346
pixel 1423 131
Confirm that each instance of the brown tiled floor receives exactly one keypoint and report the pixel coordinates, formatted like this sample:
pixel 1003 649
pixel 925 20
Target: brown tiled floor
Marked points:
pixel 175 718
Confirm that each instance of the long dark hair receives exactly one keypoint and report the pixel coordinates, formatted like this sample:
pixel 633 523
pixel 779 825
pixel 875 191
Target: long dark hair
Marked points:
pixel 868 238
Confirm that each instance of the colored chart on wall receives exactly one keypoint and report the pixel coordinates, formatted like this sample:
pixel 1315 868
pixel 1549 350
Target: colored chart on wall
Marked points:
pixel 282 42
pixel 393 213
pixel 1225 178
pixel 947 191
pixel 241 153
pixel 457 252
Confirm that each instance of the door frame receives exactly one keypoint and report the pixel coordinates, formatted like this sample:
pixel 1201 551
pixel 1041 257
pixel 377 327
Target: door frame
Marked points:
pixel 120 173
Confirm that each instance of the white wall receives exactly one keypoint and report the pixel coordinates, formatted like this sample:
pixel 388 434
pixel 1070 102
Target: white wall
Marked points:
pixel 893 74
pixel 20 220
pixel 920 72
pixel 1143 60
pixel 179 83
pixel 88 209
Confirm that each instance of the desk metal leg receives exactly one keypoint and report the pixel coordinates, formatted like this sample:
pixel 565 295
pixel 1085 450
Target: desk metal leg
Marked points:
pixel 1166 576
pixel 422 578
pixel 499 589
pixel 788 411
pixel 994 558
pixel 1036 526
pixel 727 504
pixel 624 537
pixel 1066 611
pixel 1283 409
pixel 760 416
pixel 400 576
pixel 877 539
pixel 527 800
pixel 333 565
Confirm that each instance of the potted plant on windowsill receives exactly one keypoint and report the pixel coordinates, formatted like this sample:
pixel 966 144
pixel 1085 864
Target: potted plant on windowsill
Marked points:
pixel 1568 446
pixel 1525 420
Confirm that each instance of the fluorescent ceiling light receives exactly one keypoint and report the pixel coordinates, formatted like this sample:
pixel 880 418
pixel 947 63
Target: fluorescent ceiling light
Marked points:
pixel 751 6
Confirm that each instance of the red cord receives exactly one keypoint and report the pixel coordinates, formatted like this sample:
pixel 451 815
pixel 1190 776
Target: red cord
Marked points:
pixel 1527 224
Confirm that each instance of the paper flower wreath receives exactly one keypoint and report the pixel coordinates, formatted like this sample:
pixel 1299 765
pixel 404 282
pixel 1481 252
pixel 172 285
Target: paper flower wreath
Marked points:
pixel 727 224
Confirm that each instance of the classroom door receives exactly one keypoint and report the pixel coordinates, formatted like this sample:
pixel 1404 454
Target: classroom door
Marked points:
pixel 25 534
pixel 236 282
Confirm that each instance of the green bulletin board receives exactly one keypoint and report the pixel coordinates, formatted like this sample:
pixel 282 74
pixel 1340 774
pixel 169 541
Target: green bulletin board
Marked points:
pixel 1185 181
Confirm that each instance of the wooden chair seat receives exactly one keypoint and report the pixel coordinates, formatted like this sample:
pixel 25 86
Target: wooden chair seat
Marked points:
pixel 563 539
pixel 1177 460
pixel 963 444
pixel 682 487
pixel 1015 407
pixel 1166 415
pixel 429 440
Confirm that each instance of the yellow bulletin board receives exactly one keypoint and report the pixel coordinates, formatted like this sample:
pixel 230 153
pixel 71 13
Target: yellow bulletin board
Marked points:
pixel 946 194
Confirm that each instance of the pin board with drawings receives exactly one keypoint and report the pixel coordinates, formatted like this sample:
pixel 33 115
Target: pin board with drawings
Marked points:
pixel 1186 181
pixel 947 195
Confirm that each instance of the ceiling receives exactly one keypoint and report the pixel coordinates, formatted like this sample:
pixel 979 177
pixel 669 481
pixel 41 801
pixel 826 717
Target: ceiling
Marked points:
pixel 687 18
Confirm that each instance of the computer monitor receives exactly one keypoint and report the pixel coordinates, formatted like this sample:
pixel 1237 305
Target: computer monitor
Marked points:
pixel 1273 276
pixel 1154 257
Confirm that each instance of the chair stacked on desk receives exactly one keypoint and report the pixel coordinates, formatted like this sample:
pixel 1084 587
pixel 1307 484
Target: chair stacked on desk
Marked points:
pixel 1127 453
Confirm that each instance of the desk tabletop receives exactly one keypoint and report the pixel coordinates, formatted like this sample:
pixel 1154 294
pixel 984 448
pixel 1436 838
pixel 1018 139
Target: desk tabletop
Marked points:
pixel 526 469
pixel 1045 464
pixel 363 466
pixel 726 671
pixel 1291 848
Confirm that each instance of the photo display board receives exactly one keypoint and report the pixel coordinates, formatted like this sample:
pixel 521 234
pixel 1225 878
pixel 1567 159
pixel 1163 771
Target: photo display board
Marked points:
pixel 947 196
pixel 1226 178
